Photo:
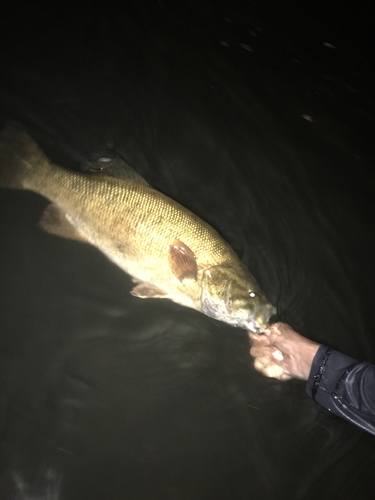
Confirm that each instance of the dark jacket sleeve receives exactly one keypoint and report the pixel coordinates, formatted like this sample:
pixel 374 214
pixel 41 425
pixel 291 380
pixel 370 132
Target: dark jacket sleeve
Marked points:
pixel 345 386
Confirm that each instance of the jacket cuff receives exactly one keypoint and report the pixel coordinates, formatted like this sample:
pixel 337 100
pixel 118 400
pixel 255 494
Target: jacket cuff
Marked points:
pixel 327 368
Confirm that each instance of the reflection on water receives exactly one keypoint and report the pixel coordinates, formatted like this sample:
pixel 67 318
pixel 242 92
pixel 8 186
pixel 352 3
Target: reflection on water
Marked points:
pixel 107 396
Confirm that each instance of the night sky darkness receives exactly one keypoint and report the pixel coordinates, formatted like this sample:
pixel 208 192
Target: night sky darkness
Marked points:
pixel 257 116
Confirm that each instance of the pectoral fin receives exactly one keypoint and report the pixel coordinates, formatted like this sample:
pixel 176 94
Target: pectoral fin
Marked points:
pixel 146 291
pixel 182 261
pixel 55 221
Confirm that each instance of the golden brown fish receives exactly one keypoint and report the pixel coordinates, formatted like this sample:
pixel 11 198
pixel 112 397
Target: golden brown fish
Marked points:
pixel 170 252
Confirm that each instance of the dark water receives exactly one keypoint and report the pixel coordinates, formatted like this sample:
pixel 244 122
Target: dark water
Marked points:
pixel 241 113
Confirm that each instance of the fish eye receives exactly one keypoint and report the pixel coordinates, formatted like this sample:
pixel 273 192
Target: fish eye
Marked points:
pixel 252 294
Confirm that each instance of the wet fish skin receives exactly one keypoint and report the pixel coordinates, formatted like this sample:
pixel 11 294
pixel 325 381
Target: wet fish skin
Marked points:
pixel 169 251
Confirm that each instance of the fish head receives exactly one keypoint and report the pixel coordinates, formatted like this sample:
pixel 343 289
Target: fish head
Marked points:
pixel 233 295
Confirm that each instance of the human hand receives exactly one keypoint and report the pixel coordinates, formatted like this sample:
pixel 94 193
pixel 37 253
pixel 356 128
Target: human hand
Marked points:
pixel 282 353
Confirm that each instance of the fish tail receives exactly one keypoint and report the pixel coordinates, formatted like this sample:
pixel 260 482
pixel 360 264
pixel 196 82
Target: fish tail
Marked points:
pixel 18 155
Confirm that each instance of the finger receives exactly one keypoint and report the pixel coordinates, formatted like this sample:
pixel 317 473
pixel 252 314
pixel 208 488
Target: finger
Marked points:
pixel 274 329
pixel 261 362
pixel 261 339
pixel 267 330
pixel 274 371
pixel 260 351
pixel 278 355
pixel 252 335
pixel 275 339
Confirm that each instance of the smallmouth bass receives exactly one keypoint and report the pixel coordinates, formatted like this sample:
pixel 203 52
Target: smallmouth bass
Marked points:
pixel 167 250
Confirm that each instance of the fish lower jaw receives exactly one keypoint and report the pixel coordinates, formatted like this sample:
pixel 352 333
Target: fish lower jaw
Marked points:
pixel 254 327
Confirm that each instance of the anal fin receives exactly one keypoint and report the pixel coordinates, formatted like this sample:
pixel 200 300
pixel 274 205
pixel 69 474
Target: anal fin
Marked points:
pixel 55 221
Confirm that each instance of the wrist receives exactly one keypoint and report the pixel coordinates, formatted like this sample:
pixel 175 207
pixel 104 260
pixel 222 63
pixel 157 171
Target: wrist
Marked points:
pixel 309 356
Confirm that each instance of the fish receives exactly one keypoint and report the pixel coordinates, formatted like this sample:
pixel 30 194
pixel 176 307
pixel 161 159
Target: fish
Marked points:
pixel 168 251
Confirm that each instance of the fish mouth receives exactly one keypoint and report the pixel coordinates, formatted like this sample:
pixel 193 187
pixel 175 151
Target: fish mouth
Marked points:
pixel 263 315
pixel 254 327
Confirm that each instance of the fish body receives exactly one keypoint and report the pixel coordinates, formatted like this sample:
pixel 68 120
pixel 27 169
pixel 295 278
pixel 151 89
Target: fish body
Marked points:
pixel 169 251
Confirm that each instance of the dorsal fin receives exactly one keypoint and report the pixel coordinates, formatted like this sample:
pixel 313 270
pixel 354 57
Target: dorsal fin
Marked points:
pixel 114 167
